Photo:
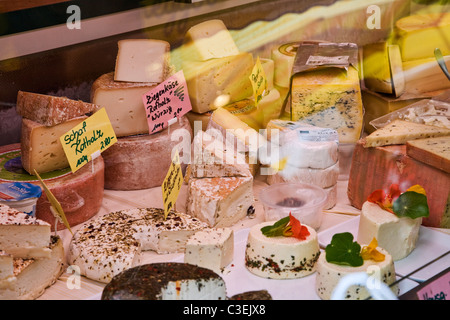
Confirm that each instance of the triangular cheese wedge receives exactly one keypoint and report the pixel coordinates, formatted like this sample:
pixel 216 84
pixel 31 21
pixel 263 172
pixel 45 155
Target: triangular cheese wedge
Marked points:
pixel 432 151
pixel 401 131
pixel 212 159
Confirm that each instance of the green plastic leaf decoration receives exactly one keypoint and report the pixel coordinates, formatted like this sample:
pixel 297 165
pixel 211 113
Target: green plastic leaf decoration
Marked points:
pixel 344 251
pixel 411 204
pixel 276 229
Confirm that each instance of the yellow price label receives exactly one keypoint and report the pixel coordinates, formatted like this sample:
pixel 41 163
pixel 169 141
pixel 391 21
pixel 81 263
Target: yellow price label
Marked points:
pixel 172 184
pixel 259 81
pixel 88 139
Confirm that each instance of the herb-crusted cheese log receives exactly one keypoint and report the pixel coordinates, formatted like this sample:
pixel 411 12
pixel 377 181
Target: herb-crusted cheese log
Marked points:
pixel 400 131
pixel 112 243
pixel 330 98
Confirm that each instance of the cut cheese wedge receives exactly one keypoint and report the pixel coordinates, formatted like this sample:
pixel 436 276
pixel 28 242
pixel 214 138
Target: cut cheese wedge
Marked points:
pixel 396 67
pixel 432 151
pixel 400 131
pixel 7 278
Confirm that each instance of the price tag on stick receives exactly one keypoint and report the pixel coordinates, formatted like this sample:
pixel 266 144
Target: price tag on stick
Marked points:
pixel 89 138
pixel 167 101
pixel 172 184
pixel 259 82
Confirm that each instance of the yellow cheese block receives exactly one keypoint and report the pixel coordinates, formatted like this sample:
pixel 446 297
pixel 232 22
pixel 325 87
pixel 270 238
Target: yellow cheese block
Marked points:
pixel 329 98
pixel 418 35
pixel 218 82
pixel 247 112
pixel 41 149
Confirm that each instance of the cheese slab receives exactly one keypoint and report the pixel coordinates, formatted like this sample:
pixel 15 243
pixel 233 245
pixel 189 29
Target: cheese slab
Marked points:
pixel 432 151
pixel 209 40
pixel 33 276
pixel 123 103
pixel 41 148
pixel 401 131
pixel 216 82
pixel 142 60
pixel 392 165
pixel 7 278
pixel 142 161
pixel 51 110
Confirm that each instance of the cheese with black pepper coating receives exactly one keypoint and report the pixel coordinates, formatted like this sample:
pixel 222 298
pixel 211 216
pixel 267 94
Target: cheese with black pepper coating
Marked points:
pixel 112 243
pixel 281 257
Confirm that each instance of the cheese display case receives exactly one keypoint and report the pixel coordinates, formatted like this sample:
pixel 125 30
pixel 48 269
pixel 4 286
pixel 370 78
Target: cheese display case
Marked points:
pixel 224 150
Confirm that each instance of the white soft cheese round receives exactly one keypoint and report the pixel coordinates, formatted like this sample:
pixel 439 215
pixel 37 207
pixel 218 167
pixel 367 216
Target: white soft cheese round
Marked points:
pixel 280 257
pixel 329 274
pixel 397 235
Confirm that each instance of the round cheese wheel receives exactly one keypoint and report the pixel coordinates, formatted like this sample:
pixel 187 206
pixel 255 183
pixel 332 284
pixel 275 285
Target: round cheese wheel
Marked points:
pixel 142 161
pixel 283 57
pixel 80 194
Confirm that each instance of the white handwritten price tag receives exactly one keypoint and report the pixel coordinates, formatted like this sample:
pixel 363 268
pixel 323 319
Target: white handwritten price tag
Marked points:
pixel 87 139
pixel 168 100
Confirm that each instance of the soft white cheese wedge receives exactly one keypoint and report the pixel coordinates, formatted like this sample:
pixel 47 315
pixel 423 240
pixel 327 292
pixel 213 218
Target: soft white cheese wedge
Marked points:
pixel 396 235
pixel 7 278
pixel 280 257
pixel 328 276
pixel 212 249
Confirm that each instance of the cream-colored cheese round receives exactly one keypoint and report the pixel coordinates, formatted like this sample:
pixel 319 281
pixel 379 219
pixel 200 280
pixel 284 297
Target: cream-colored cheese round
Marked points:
pixel 280 257
pixel 397 235
pixel 328 276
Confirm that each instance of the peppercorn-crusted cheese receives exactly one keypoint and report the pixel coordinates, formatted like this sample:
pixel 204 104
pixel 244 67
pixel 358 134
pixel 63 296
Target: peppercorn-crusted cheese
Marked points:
pixel 22 235
pixel 112 243
pixel 280 257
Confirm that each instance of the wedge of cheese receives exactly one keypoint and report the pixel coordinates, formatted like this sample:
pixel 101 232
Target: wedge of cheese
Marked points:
pixel 208 40
pixel 219 81
pixel 142 60
pixel 7 278
pixel 51 110
pixel 212 249
pixel 123 103
pixel 329 98
pixel 41 148
pixel 418 35
pixel 432 151
pixel 220 202
pixel 401 131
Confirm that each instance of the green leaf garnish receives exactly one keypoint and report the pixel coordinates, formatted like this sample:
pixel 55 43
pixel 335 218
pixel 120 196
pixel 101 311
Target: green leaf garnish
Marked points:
pixel 276 229
pixel 411 204
pixel 344 251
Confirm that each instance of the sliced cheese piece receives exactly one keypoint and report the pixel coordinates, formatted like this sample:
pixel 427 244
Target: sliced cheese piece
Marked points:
pixel 166 281
pixel 212 160
pixel 41 148
pixel 209 40
pixel 112 243
pixel 323 178
pixel 7 278
pixel 51 110
pixel 401 131
pixel 247 112
pixel 123 103
pixel 142 161
pixel 328 276
pixel 270 106
pixel 398 236
pixel 22 235
pixel 281 257
pixel 329 98
pixel 142 60
pixel 217 82
pixel 269 69
pixel 220 202
pixel 432 151
pixel 212 249
pixel 418 35
pixel 397 76
pixel 35 275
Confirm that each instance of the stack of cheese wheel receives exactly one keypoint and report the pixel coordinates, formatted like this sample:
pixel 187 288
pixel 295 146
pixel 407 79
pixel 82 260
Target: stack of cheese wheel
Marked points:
pixel 310 155
pixel 45 119
pixel 138 160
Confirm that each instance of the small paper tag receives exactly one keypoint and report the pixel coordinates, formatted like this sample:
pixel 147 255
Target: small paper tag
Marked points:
pixel 439 289
pixel 323 61
pixel 172 184
pixel 168 100
pixel 259 81
pixel 93 135
pixel 317 134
